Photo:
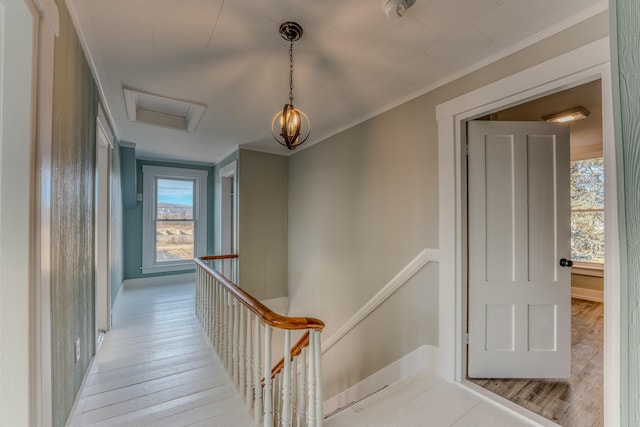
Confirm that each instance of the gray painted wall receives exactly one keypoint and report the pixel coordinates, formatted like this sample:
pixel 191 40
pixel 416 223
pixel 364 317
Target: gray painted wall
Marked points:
pixel 262 230
pixel 364 203
pixel 72 218
pixel 626 86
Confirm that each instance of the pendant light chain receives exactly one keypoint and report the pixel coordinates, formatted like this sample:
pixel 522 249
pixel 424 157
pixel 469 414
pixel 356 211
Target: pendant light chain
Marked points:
pixel 290 126
pixel 291 73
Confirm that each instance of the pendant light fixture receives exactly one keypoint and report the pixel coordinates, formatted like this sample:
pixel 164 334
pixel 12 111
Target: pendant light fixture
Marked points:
pixel 290 126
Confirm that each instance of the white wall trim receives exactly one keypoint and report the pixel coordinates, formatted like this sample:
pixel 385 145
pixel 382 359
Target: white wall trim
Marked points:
pixel 150 174
pixel 424 358
pixel 228 170
pixel 425 257
pixel 48 13
pixel 587 63
pixel 587 294
pixel 159 280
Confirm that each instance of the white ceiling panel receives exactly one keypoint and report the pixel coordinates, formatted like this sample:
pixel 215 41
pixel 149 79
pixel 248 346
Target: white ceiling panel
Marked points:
pixel 451 15
pixel 514 19
pixel 351 62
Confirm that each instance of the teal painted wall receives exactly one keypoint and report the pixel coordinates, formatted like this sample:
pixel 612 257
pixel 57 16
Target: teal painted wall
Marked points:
pixel 625 51
pixel 128 175
pixel 116 224
pixel 133 219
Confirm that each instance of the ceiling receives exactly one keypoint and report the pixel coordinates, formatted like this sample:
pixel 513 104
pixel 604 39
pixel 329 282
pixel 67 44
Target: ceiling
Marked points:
pixel 352 63
pixel 586 132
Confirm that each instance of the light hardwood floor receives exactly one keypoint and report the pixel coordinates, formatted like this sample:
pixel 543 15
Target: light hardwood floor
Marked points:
pixel 155 368
pixel 425 399
pixel 578 401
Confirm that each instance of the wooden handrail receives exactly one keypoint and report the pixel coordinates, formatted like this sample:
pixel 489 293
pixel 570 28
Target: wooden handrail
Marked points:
pixel 215 257
pixel 295 351
pixel 262 311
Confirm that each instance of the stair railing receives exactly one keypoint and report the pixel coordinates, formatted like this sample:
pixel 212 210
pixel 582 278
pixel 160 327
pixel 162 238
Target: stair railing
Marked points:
pixel 240 330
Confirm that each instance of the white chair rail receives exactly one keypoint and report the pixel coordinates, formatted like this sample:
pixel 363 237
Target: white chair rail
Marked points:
pixel 241 330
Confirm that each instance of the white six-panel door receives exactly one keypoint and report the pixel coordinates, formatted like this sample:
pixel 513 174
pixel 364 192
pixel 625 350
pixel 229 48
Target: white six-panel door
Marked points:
pixel 519 230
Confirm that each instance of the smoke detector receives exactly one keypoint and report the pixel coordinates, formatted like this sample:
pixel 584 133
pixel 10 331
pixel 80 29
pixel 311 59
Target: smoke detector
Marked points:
pixel 396 8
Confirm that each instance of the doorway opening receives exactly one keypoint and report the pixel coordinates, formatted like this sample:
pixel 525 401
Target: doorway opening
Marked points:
pixel 103 244
pixel 227 234
pixel 579 399
pixel 582 65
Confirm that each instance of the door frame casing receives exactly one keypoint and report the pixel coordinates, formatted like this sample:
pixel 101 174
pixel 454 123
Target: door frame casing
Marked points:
pixel 104 147
pixel 587 63
pixel 230 170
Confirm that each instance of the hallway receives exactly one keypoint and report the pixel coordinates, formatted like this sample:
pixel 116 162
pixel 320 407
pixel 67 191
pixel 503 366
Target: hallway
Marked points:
pixel 155 367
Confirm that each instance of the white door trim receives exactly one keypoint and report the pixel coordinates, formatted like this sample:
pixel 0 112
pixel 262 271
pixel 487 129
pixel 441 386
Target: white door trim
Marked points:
pixel 227 171
pixel 104 145
pixel 587 63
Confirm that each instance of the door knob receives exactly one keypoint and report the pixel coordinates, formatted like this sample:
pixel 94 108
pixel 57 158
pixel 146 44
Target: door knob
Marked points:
pixel 566 262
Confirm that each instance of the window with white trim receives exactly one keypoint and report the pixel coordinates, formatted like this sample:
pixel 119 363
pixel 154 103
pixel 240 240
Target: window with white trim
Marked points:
pixel 587 210
pixel 174 218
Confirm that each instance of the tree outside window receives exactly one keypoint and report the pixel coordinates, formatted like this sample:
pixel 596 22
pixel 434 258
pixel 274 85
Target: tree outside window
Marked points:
pixel 587 210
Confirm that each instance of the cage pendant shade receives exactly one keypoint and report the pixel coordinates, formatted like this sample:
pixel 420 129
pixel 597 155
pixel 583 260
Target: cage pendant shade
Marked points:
pixel 290 126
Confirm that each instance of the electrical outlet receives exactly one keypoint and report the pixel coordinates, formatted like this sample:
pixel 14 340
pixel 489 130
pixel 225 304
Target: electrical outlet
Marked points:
pixel 77 349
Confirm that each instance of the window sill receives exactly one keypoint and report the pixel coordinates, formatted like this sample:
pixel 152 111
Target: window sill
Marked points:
pixel 175 267
pixel 588 269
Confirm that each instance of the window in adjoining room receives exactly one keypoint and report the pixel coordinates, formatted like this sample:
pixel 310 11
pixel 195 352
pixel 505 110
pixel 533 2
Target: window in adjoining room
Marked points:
pixel 587 210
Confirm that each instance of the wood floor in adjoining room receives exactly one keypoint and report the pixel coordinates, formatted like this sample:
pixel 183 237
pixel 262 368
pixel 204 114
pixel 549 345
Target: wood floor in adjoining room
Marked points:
pixel 578 401
pixel 156 368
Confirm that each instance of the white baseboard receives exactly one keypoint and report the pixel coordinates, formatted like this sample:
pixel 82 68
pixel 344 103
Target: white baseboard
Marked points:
pixel 587 294
pixel 424 358
pixel 160 280
pixel 278 305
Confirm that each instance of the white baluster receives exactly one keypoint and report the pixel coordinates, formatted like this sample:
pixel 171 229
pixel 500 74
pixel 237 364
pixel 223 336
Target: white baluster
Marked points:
pixel 268 409
pixel 248 392
pixel 225 331
pixel 198 299
pixel 220 321
pixel 277 396
pixel 230 306
pixel 214 314
pixel 318 373
pixel 302 387
pixel 257 395
pixel 311 383
pixel 206 307
pixel 294 391
pixel 286 381
pixel 241 354
pixel 212 307
pixel 236 343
